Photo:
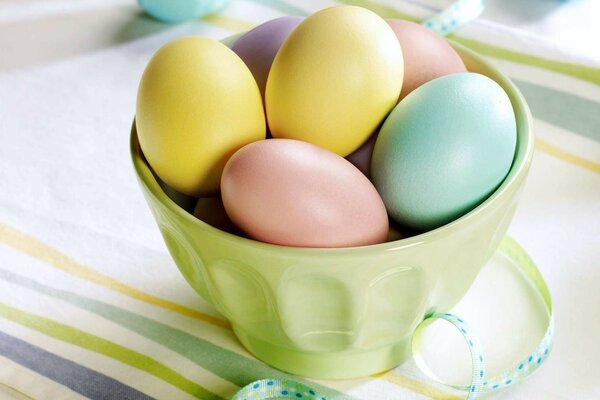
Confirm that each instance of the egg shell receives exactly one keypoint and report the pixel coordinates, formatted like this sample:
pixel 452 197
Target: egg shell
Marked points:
pixel 212 211
pixel 427 55
pixel 293 193
pixel 259 46
pixel 180 10
pixel 334 79
pixel 444 149
pixel 197 104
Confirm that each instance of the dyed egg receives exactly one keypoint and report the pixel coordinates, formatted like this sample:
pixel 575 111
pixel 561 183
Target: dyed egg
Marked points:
pixel 444 149
pixel 335 78
pixel 180 10
pixel 197 104
pixel 293 193
pixel 211 211
pixel 426 54
pixel 259 46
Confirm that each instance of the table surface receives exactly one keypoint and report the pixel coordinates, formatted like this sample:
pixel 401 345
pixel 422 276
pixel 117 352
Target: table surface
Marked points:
pixel 91 304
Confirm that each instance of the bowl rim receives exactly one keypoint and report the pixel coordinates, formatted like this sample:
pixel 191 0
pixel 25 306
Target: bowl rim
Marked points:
pixel 517 172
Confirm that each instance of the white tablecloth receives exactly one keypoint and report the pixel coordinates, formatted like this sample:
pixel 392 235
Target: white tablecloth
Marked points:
pixel 73 220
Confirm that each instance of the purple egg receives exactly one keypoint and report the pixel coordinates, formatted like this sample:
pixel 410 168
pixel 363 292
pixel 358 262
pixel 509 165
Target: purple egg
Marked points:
pixel 259 46
pixel 361 157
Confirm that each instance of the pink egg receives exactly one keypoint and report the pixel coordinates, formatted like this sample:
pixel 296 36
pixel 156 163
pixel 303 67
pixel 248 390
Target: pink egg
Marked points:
pixel 426 54
pixel 294 193
pixel 259 46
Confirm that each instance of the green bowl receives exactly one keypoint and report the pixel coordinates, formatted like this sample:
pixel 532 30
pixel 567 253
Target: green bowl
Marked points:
pixel 347 312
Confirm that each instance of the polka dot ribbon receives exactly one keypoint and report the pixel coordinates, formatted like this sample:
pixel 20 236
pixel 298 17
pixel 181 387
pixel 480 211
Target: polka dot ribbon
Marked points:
pixel 457 14
pixel 277 389
pixel 518 256
pixel 288 389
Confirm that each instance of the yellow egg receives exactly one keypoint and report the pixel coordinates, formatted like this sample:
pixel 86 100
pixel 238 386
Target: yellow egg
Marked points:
pixel 197 104
pixel 335 79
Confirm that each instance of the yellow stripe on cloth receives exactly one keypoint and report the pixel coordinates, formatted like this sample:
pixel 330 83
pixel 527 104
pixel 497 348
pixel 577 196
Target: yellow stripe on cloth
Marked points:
pixel 566 156
pixel 231 24
pixel 45 253
pixel 105 347
pixel 37 249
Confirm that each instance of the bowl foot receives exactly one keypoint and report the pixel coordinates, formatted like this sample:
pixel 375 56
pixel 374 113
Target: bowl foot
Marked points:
pixel 354 363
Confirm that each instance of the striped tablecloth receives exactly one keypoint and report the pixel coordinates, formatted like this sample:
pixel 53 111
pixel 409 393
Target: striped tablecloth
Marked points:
pixel 91 305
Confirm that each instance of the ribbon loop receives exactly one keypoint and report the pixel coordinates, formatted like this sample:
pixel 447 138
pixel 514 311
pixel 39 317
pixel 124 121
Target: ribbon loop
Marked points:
pixel 477 360
pixel 519 258
pixel 287 389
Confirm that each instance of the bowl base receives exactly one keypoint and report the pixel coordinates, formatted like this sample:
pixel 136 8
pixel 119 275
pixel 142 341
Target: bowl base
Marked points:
pixel 334 365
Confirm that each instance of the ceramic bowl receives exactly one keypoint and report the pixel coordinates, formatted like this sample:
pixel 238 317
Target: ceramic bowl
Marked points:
pixel 347 312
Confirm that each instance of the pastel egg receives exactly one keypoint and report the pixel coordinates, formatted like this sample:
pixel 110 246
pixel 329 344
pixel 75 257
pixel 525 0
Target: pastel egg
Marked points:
pixel 444 149
pixel 197 104
pixel 180 10
pixel 334 79
pixel 427 55
pixel 259 46
pixel 293 193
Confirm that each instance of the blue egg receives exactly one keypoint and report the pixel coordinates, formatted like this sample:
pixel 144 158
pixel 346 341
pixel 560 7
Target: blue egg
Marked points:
pixel 444 149
pixel 180 10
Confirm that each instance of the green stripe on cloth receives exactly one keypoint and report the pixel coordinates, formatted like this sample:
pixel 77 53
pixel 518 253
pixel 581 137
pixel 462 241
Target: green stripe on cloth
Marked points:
pixel 107 348
pixel 228 365
pixel 37 249
pixel 582 72
pixel 85 381
pixel 14 392
pixel 562 109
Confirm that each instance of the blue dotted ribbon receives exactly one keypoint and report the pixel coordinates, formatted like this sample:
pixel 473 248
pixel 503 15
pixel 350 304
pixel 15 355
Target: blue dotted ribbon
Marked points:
pixel 521 370
pixel 477 360
pixel 288 389
pixel 277 389
pixel 457 14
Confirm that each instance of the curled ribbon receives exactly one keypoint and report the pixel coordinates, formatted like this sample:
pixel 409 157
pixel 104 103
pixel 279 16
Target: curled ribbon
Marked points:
pixel 288 389
pixel 521 370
